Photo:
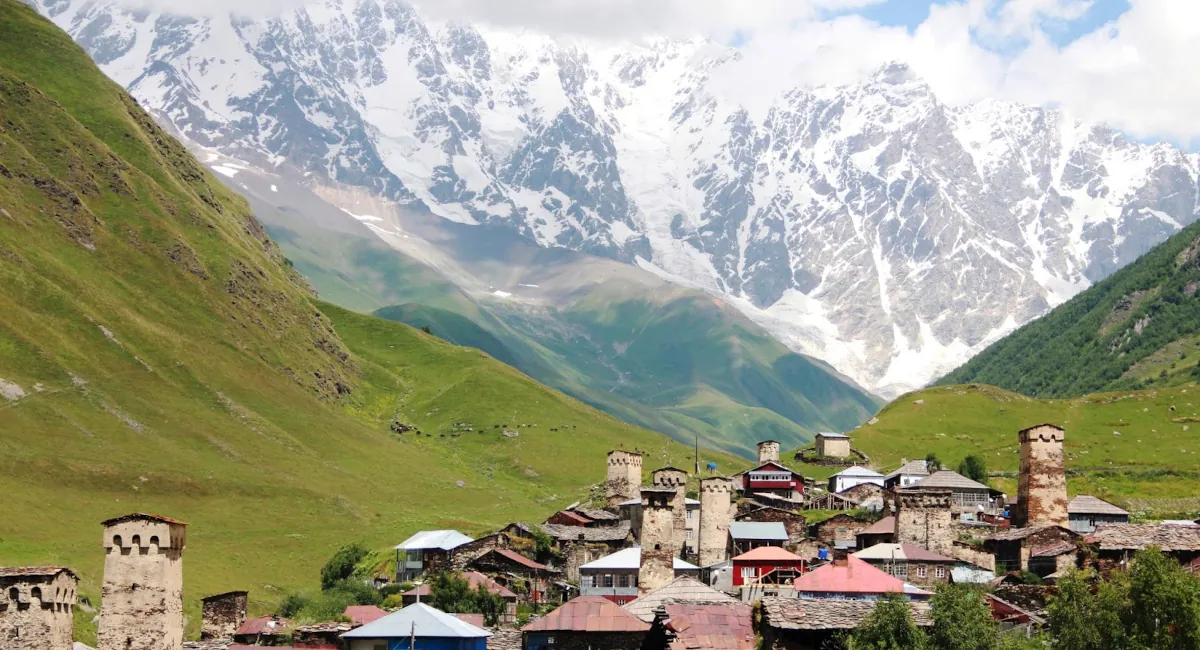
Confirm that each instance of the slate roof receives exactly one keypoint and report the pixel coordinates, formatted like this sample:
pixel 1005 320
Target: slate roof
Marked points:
pixel 444 540
pixel 1089 505
pixel 419 620
pixel 856 576
pixel 907 552
pixel 800 614
pixel 767 554
pixel 718 627
pixel 597 534
pixel 884 526
pixel 1052 550
pixel 596 514
pixel 588 614
pixel 912 467
pixel 684 589
pixel 221 595
pixel 33 571
pixel 631 559
pixel 475 579
pixel 1014 534
pixel 363 614
pixel 859 471
pixel 768 530
pixel 945 478
pixel 1129 537
pixel 141 515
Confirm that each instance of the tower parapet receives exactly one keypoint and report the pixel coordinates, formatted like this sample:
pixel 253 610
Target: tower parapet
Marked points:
pixel 623 481
pixel 716 511
pixel 142 597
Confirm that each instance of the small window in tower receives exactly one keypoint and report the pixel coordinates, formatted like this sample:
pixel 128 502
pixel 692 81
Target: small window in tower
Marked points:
pixel 137 540
pixel 36 592
pixel 116 540
pixel 14 594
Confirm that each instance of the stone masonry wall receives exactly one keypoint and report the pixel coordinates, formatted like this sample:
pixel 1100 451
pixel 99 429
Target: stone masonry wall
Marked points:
pixel 670 478
pixel 1042 486
pixel 221 615
pixel 624 478
pixel 924 518
pixel 768 452
pixel 658 558
pixel 142 596
pixel 716 511
pixel 36 612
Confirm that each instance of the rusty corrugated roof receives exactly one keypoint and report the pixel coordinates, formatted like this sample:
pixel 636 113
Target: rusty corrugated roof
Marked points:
pixel 719 627
pixel 588 614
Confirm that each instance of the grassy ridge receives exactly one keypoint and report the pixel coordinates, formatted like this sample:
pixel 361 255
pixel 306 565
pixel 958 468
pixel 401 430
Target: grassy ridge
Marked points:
pixel 1133 330
pixel 158 355
pixel 1138 449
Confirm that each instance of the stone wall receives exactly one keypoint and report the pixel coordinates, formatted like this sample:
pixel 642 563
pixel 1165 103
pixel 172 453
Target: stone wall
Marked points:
pixel 930 577
pixel 36 610
pixel 716 511
pixel 794 523
pixel 1042 485
pixel 142 596
pixel 463 555
pixel 833 447
pixel 669 478
pixel 972 555
pixel 840 528
pixel 768 452
pixel 624 479
pixel 923 517
pixel 658 557
pixel 221 615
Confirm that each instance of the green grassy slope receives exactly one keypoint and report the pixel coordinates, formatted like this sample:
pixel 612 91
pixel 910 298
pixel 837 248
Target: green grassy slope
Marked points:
pixel 1138 328
pixel 157 354
pixel 1138 449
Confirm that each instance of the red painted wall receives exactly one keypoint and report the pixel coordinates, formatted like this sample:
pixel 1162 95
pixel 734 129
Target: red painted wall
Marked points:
pixel 762 567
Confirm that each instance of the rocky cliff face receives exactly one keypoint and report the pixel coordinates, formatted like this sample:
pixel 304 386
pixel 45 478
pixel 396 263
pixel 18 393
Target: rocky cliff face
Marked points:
pixel 870 225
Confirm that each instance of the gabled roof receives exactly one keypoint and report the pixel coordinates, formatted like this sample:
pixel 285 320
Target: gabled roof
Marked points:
pixel 912 468
pixel 885 526
pixel 631 559
pixel 363 614
pixel 858 471
pixel 1089 505
pixel 684 589
pixel 594 534
pixel 444 540
pixel 1129 537
pixel 141 516
pixel 906 552
pixel 945 478
pixel 596 514
pixel 855 576
pixel 269 625
pixel 1052 550
pixel 588 614
pixel 576 517
pixel 833 436
pixel 725 626
pixel 800 614
pixel 771 463
pixel 419 620
pixel 768 530
pixel 517 558
pixel 768 554
pixel 33 571
pixel 1015 534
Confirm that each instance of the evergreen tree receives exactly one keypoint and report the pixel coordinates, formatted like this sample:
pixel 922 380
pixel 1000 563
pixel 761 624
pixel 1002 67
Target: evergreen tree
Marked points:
pixel 973 468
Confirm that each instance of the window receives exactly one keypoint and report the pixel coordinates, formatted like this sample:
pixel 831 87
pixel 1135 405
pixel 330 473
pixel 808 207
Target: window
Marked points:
pixel 608 580
pixel 941 572
pixel 747 572
pixel 921 571
pixel 623 580
pixel 589 580
pixel 689 533
pixel 690 512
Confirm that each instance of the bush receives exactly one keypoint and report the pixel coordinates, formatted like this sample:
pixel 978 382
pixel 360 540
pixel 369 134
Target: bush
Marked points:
pixel 1029 578
pixel 291 605
pixel 341 566
pixel 360 593
pixel 394 588
pixel 451 593
pixel 973 468
pixel 394 601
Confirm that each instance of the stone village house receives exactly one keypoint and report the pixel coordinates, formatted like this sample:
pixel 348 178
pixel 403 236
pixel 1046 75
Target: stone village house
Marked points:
pixel 36 608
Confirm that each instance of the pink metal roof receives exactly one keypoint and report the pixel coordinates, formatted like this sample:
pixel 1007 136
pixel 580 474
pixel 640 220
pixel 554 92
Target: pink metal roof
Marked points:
pixel 881 527
pixel 473 619
pixel 768 553
pixel 588 614
pixel 853 577
pixel 719 627
pixel 363 614
pixel 262 625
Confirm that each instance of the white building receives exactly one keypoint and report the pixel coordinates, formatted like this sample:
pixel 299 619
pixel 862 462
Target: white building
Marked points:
pixel 852 476
pixel 427 550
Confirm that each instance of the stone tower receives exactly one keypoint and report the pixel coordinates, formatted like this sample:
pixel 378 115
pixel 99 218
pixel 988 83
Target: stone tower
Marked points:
pixel 923 517
pixel 657 566
pixel 768 452
pixel 716 511
pixel 669 478
pixel 624 480
pixel 36 605
pixel 1042 486
pixel 142 598
pixel 222 614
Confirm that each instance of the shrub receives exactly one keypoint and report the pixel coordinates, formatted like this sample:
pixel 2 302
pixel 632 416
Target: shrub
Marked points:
pixel 342 564
pixel 291 605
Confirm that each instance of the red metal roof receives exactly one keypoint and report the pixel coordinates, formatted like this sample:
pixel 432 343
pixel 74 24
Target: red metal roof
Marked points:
pixel 363 614
pixel 768 553
pixel 884 526
pixel 588 614
pixel 262 625
pixel 720 627
pixel 855 576
pixel 579 519
pixel 521 559
pixel 473 619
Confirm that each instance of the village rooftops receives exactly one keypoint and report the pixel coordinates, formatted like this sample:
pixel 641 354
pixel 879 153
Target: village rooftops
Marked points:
pixel 419 620
pixel 684 589
pixel 854 576
pixel 588 614
pixel 884 526
pixel 858 471
pixel 768 554
pixel 637 502
pixel 140 516
pixel 906 552
pixel 631 559
pixel 723 626
pixel 1089 505
pixel 1131 537
pixel 1017 534
pixel 363 614
pixel 443 540
pixel 794 614
pixel 948 480
pixel 594 534
pixel 759 530
pixel 595 514
pixel 474 579
pixel 912 468
pixel 264 625
pixel 33 571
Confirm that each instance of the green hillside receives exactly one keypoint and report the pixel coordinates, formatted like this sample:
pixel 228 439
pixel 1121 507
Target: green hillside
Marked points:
pixel 158 354
pixel 1139 328
pixel 1140 449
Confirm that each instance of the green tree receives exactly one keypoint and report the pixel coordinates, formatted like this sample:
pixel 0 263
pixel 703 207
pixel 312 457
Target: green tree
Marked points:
pixel 341 566
pixel 973 468
pixel 962 619
pixel 1165 603
pixel 451 593
pixel 889 626
pixel 932 462
pixel 1084 618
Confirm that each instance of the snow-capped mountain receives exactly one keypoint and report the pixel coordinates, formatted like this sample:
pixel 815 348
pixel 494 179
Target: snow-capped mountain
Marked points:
pixel 870 225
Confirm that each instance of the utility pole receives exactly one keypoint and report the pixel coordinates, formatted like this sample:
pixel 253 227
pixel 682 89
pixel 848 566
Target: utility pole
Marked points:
pixel 697 472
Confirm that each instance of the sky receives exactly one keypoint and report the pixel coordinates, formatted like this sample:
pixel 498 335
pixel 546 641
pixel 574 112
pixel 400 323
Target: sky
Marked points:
pixel 1129 63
